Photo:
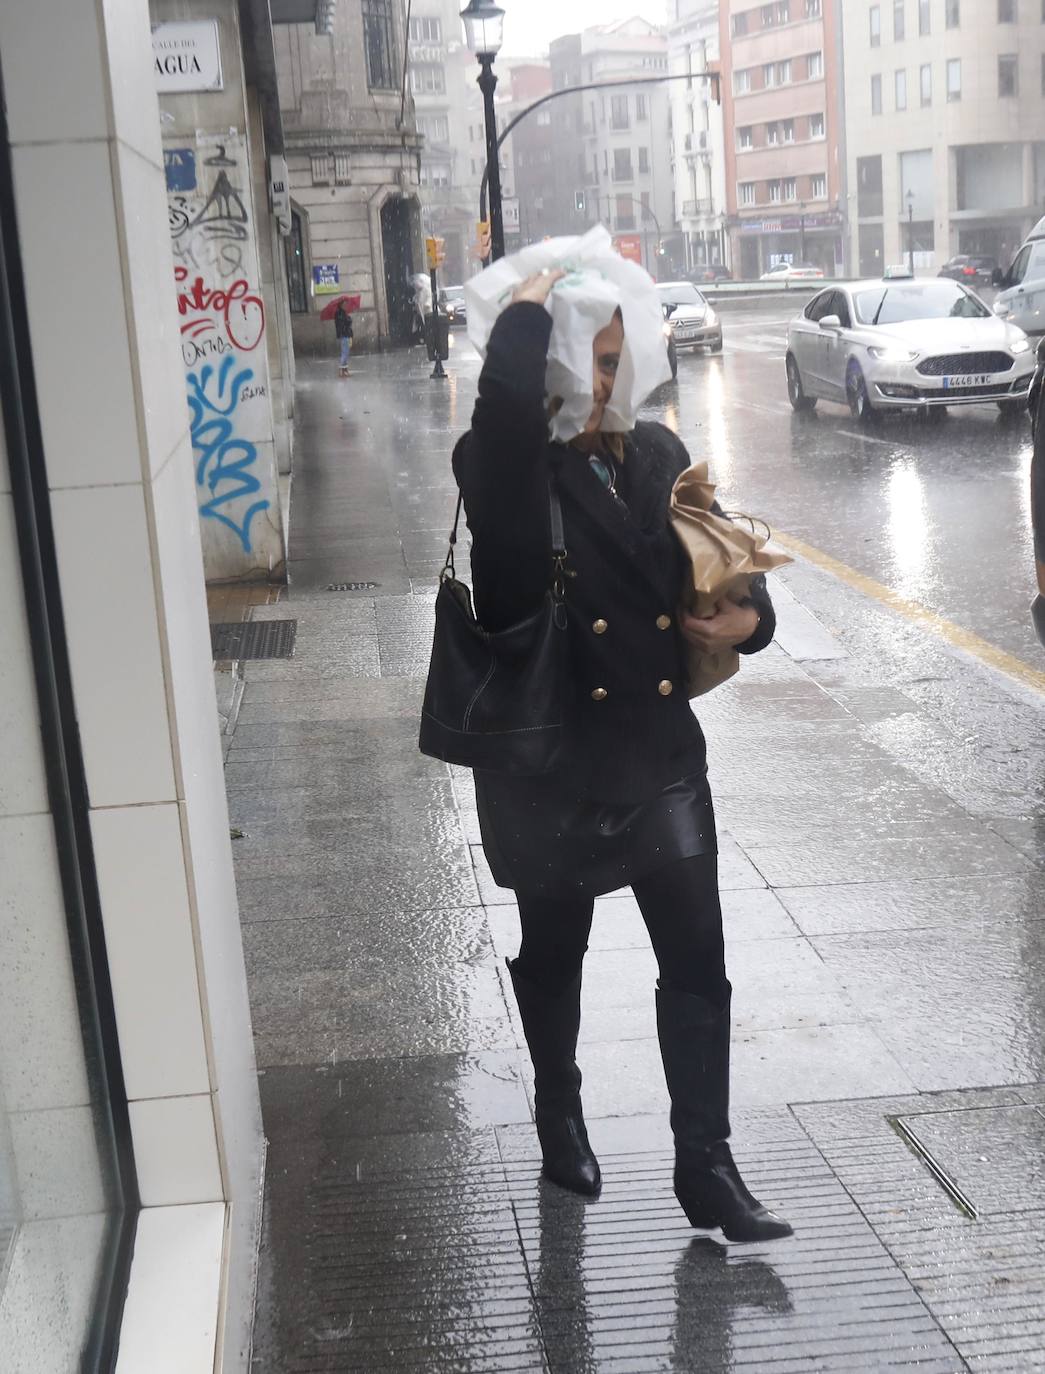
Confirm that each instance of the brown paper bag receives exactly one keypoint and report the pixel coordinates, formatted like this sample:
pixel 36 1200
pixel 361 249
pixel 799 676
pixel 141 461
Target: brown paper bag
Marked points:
pixel 723 556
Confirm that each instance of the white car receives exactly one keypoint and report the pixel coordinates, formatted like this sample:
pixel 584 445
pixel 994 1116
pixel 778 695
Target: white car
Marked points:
pixel 889 344
pixel 691 320
pixel 793 271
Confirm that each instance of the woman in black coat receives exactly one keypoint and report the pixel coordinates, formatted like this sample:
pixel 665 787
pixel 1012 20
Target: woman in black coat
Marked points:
pixel 630 804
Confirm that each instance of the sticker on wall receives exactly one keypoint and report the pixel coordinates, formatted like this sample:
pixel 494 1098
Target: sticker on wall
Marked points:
pixel 326 278
pixel 180 166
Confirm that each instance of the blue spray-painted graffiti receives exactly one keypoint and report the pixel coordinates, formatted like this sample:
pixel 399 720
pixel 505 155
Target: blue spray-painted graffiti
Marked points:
pixel 223 461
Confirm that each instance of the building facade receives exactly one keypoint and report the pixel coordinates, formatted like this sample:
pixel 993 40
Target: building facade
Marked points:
pixel 613 147
pixel 353 156
pixel 529 153
pixel 697 135
pixel 131 1146
pixel 782 108
pixel 945 110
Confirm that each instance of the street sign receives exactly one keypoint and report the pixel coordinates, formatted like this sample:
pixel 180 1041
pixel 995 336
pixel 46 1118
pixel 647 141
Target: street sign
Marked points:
pixel 629 246
pixel 326 279
pixel 187 56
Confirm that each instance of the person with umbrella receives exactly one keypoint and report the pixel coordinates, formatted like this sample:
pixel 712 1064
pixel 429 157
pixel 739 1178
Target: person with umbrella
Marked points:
pixel 340 311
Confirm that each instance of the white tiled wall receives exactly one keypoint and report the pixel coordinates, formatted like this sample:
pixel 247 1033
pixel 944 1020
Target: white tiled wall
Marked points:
pixel 92 213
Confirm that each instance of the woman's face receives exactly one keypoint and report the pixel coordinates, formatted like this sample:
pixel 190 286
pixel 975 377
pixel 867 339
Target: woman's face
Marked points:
pixel 605 361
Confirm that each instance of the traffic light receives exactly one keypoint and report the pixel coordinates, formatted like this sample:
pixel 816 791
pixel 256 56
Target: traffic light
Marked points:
pixel 483 238
pixel 435 250
pixel 578 202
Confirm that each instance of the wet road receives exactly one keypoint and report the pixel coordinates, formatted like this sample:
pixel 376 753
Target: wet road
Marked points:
pixel 940 514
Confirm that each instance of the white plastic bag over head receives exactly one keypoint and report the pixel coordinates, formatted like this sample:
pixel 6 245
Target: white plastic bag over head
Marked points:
pixel 597 283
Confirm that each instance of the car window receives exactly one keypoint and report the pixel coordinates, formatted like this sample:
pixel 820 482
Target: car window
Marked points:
pixel 1019 266
pixel 819 306
pixel 1031 262
pixel 936 300
pixel 680 293
pixel 840 307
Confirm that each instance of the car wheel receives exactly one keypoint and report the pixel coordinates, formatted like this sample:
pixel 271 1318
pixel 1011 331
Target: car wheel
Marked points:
pixel 716 347
pixel 795 394
pixel 856 394
pixel 1011 410
pixel 673 359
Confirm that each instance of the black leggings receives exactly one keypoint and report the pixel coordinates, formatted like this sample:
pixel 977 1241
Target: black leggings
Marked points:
pixel 680 906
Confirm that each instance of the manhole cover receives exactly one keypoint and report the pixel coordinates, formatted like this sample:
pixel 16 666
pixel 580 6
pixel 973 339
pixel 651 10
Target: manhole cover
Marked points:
pixel 253 639
pixel 990 1159
pixel 353 586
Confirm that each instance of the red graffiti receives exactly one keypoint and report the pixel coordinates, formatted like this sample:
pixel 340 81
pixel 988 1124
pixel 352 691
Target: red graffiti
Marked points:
pixel 242 313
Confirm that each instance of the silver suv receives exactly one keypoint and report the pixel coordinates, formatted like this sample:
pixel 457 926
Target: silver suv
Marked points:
pixel 1021 297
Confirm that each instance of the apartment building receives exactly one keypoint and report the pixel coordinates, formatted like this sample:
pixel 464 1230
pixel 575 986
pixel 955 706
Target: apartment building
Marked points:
pixel 697 135
pixel 529 153
pixel 613 147
pixel 783 133
pixel 945 115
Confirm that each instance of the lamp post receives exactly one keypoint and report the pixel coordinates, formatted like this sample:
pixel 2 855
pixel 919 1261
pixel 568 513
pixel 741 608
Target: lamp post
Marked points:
pixel 483 29
pixel 910 231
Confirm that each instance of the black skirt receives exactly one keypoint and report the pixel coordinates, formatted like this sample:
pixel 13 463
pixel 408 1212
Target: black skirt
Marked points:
pixel 543 838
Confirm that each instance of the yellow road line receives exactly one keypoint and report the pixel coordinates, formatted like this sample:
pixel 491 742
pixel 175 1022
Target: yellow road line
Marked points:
pixel 954 634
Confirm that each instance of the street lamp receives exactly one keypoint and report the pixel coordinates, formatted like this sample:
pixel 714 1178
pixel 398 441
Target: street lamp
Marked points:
pixel 483 31
pixel 910 231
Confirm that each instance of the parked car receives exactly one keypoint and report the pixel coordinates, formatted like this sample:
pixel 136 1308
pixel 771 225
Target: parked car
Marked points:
pixel 691 320
pixel 1021 297
pixel 452 304
pixel 793 271
pixel 1037 488
pixel 971 269
pixel 924 343
pixel 710 272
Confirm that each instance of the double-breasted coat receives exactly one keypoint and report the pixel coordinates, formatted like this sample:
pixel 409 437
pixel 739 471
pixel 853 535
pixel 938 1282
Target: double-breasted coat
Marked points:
pixel 633 736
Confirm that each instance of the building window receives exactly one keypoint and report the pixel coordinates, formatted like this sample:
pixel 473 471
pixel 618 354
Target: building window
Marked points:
pixel 1006 11
pixel 816 126
pixel 343 169
pixel 778 13
pixel 625 213
pixel 898 20
pixel 740 24
pixel 322 169
pixel 436 128
pixel 643 159
pixel 641 109
pixel 426 30
pixel 427 78
pixel 875 18
pixel 379 44
pixel 901 90
pixel 869 187
pixel 777 73
pixel 745 137
pixel 1008 75
pixel 926 80
pixel 773 187
pixel 815 66
pixel 876 95
pixel 436 175
pixel 644 199
pixel 818 187
pixel 773 134
pixel 814 9
pixel 619 117
pixel 622 164
pixel 790 188
pixel 925 17
pixel 787 131
pixel 746 193
pixel 954 79
pixel 294 249
pixel 952 12
pixel 742 81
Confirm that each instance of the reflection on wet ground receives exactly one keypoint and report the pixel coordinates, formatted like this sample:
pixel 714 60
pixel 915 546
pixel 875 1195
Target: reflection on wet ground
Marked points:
pixel 881 803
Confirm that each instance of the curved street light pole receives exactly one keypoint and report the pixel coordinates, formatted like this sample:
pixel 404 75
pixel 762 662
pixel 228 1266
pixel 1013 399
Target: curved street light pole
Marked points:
pixel 492 162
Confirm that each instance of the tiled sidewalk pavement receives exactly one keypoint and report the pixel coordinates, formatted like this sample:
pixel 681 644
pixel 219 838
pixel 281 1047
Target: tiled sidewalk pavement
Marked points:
pixel 882 844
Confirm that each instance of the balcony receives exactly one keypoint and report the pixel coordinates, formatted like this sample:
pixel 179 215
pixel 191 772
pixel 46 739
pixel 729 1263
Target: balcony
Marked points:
pixel 697 209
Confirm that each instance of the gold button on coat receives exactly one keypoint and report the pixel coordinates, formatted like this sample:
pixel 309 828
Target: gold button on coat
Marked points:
pixel 600 694
pixel 663 622
pixel 665 688
pixel 600 627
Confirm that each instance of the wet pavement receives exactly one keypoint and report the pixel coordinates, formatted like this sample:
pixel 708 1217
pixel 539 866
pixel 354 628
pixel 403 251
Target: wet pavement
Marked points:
pixel 881 802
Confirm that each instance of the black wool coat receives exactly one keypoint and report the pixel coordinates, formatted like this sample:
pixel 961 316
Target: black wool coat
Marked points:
pixel 632 730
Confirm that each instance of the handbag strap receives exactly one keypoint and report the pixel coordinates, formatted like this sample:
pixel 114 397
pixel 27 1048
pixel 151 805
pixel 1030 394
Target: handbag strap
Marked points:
pixel 558 538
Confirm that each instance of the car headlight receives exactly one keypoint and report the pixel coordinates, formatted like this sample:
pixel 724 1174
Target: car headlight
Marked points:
pixel 1019 346
pixel 710 317
pixel 893 355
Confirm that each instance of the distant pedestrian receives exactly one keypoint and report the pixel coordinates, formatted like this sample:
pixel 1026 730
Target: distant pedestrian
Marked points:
pixel 630 803
pixel 343 331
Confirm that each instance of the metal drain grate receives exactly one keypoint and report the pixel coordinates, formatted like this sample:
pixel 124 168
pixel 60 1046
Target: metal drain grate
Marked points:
pixel 353 586
pixel 253 639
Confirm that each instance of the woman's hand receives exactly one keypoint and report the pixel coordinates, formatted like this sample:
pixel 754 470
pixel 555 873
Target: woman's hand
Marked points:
pixel 538 287
pixel 729 626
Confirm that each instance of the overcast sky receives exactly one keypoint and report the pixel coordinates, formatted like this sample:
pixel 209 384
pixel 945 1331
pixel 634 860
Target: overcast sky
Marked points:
pixel 530 25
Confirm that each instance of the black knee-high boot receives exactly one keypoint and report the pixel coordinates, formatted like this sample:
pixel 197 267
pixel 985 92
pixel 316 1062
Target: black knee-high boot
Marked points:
pixel 551 1023
pixel 694 1043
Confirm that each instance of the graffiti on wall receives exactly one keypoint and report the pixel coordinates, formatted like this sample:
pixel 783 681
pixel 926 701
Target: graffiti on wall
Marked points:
pixel 222 319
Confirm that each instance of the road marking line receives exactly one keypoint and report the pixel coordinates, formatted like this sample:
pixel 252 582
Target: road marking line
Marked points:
pixel 953 634
pixel 864 438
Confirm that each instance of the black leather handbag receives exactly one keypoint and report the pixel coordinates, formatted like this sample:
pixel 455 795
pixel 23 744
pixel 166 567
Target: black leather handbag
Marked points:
pixel 498 701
